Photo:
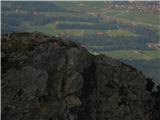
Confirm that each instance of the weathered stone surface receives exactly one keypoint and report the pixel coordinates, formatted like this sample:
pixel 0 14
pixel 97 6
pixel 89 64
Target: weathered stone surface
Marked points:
pixel 46 78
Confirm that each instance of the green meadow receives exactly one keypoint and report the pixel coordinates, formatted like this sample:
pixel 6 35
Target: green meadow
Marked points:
pixel 133 54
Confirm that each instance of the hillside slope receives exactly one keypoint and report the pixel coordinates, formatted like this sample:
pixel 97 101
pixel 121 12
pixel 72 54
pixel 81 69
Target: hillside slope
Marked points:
pixel 47 78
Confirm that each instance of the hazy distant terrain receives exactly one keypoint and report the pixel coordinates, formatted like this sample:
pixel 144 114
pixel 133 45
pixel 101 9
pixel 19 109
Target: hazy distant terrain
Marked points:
pixel 128 31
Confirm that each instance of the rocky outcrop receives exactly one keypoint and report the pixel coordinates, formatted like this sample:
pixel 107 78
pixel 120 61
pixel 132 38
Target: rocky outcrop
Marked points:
pixel 156 103
pixel 46 78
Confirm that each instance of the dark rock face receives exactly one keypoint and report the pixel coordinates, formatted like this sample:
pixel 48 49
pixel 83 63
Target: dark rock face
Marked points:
pixel 156 103
pixel 45 78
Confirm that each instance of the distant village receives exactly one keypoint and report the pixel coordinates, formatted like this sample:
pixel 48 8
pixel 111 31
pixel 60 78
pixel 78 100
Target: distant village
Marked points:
pixel 148 6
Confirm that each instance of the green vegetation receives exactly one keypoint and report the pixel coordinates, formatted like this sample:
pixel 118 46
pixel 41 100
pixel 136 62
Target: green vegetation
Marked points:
pixel 47 29
pixel 96 46
pixel 120 32
pixel 65 14
pixel 50 29
pixel 83 6
pixel 77 23
pixel 78 9
pixel 141 17
pixel 112 12
pixel 133 54
pixel 154 54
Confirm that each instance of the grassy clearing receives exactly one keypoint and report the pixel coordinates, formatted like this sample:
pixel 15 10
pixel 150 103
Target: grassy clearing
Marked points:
pixel 96 46
pixel 120 32
pixel 153 53
pixel 50 29
pixel 141 17
pixel 83 5
pixel 156 29
pixel 133 55
pixel 77 23
pixel 65 14
pixel 112 12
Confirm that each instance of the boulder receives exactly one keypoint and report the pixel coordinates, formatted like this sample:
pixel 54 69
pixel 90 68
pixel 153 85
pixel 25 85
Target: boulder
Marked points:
pixel 47 78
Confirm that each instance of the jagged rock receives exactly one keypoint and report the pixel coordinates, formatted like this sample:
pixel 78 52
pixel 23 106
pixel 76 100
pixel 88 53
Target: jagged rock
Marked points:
pixel 46 78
